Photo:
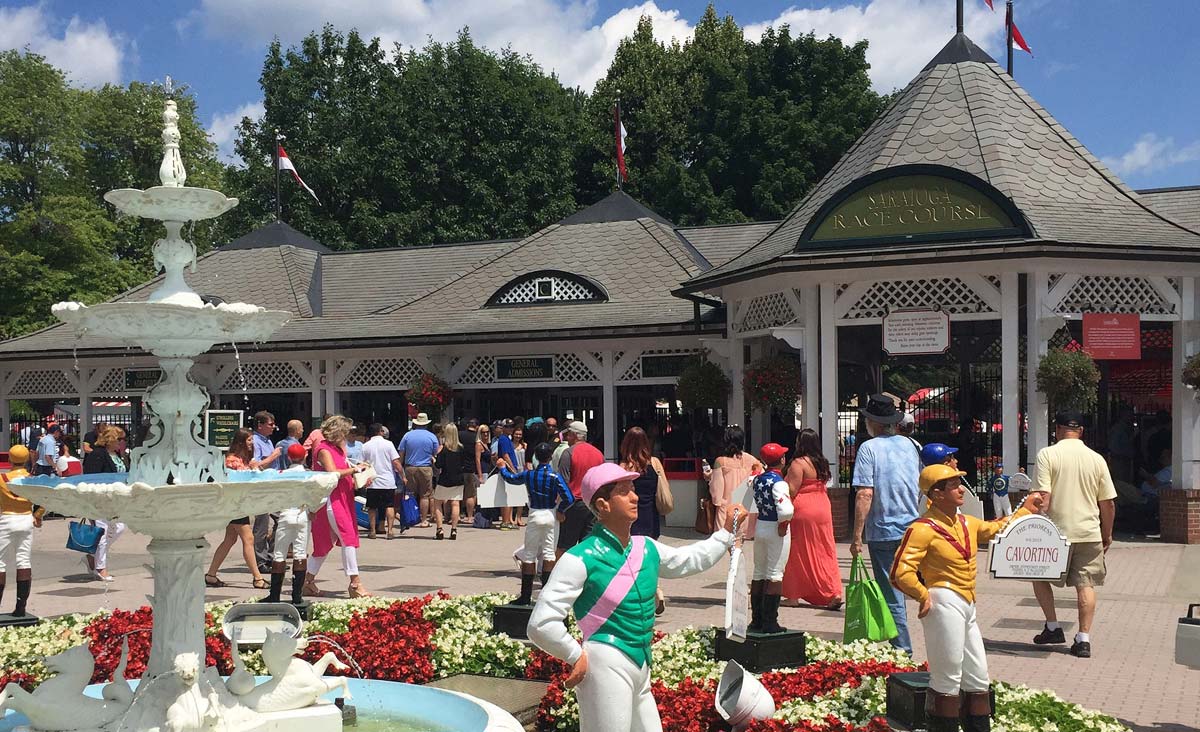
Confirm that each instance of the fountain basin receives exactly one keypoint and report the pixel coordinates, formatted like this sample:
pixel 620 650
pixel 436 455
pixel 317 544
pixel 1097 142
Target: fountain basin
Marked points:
pixel 383 706
pixel 181 511
pixel 171 329
pixel 171 203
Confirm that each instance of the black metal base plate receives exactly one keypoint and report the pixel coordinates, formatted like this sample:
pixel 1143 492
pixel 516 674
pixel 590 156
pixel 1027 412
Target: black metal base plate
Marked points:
pixel 512 620
pixel 906 700
pixel 763 652
pixel 14 621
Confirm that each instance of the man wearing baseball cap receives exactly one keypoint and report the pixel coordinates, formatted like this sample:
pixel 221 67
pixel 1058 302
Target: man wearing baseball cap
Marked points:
pixel 771 540
pixel 936 566
pixel 1081 503
pixel 608 580
pixel 573 465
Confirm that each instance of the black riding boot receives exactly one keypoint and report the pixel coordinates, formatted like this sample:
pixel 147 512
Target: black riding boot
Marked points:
pixel 276 587
pixel 23 589
pixel 977 711
pixel 297 588
pixel 756 611
pixel 771 614
pixel 941 711
pixel 526 597
pixel 545 576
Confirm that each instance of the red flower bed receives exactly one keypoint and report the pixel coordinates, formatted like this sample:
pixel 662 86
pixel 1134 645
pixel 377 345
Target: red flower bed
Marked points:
pixel 544 667
pixel 389 643
pixel 821 677
pixel 106 634
pixel 20 678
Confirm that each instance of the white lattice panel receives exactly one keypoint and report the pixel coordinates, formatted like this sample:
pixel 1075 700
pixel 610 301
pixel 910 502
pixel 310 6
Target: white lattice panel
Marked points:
pixel 1113 294
pixel 569 367
pixel 384 372
pixel 564 290
pixel 43 381
pixel 481 371
pixel 766 311
pixel 634 372
pixel 950 294
pixel 112 383
pixel 264 376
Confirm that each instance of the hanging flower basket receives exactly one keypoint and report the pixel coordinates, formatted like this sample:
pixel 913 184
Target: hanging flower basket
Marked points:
pixel 430 392
pixel 703 384
pixel 773 381
pixel 1069 379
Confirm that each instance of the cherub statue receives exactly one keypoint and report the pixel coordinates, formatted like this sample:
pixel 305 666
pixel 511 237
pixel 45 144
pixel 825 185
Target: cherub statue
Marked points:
pixel 192 710
pixel 294 683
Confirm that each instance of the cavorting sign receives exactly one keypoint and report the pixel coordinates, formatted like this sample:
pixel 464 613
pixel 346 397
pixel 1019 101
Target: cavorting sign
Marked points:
pixel 1030 548
pixel 525 368
pixel 916 332
pixel 1113 336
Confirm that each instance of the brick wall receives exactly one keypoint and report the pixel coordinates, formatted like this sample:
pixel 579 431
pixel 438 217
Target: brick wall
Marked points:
pixel 839 499
pixel 1179 516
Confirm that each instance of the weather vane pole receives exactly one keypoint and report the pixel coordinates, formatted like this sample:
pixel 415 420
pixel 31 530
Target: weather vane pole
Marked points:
pixel 277 138
pixel 959 15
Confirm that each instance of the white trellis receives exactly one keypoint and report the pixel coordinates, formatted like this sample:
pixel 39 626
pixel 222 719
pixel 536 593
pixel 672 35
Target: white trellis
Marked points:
pixel 44 383
pixel 1155 298
pixel 264 376
pixel 765 311
pixel 548 289
pixel 392 373
pixel 967 297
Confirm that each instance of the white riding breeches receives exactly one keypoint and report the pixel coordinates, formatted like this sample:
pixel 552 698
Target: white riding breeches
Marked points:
pixel 954 645
pixel 16 541
pixel 291 531
pixel 541 536
pixel 112 532
pixel 614 695
pixel 770 551
pixel 1002 506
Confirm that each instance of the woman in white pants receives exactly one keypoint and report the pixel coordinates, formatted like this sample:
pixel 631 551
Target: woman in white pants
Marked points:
pixel 106 457
pixel 941 547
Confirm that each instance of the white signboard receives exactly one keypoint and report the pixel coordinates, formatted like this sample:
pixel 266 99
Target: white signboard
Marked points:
pixel 737 596
pixel 1019 483
pixel 495 492
pixel 1030 548
pixel 916 332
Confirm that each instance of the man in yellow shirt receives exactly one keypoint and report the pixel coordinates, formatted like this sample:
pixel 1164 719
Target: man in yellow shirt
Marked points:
pixel 941 546
pixel 1082 505
pixel 18 518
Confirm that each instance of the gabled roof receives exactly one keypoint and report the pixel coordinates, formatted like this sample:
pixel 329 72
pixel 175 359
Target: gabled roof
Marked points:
pixel 720 243
pixel 616 206
pixel 963 111
pixel 1180 204
pixel 276 234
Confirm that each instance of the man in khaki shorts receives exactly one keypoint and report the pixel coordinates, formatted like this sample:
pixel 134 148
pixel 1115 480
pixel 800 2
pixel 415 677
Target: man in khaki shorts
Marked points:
pixel 1080 495
pixel 417 450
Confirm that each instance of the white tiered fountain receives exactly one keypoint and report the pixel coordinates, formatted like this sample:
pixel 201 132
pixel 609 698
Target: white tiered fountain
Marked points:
pixel 176 491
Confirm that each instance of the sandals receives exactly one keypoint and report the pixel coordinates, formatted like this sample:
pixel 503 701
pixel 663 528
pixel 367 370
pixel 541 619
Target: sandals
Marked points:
pixel 262 584
pixel 453 533
pixel 356 590
pixel 311 590
pixel 439 535
pixel 212 580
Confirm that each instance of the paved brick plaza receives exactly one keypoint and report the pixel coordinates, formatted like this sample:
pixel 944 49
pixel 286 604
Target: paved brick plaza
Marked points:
pixel 1131 674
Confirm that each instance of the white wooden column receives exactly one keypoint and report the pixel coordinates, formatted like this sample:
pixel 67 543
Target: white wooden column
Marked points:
pixel 760 419
pixel 1010 372
pixel 1185 411
pixel 608 388
pixel 829 374
pixel 811 302
pixel 1036 346
pixel 5 413
pixel 331 375
pixel 737 367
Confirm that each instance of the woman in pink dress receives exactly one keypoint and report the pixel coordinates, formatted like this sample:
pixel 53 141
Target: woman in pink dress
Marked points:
pixel 731 470
pixel 812 572
pixel 334 523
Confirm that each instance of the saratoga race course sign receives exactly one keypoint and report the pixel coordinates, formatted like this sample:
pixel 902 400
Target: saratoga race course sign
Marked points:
pixel 1030 548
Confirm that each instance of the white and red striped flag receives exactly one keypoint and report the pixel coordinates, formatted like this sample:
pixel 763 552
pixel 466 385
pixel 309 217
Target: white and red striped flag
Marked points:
pixel 1018 39
pixel 619 132
pixel 285 163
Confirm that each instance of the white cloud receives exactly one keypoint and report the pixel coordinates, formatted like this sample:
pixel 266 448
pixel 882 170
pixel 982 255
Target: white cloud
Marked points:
pixel 1151 153
pixel 223 129
pixel 567 37
pixel 89 53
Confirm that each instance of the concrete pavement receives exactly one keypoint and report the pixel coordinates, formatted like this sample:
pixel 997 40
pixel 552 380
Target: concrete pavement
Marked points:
pixel 1131 674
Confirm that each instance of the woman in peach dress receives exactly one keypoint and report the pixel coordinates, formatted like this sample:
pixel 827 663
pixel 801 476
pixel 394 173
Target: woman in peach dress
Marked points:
pixel 812 572
pixel 731 470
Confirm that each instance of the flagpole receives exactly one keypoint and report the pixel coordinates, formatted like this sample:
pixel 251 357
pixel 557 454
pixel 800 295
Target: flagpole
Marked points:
pixel 1008 28
pixel 958 16
pixel 275 160
pixel 617 132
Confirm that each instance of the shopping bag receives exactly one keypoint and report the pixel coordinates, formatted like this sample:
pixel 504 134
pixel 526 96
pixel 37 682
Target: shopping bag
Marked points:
pixel 410 512
pixel 867 613
pixel 84 536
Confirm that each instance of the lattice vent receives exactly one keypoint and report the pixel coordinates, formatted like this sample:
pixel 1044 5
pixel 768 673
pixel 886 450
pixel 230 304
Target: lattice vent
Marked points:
pixel 950 294
pixel 264 375
pixel 112 383
pixel 1052 279
pixel 634 372
pixel 569 367
pixel 994 279
pixel 1114 294
pixel 766 311
pixel 560 289
pixel 389 372
pixel 481 371
pixel 46 381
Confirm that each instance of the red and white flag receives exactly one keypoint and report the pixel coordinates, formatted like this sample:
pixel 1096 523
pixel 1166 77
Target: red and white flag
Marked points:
pixel 619 131
pixel 1018 39
pixel 285 163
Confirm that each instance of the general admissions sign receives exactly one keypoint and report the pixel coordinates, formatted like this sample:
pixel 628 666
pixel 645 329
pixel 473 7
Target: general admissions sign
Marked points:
pixel 525 368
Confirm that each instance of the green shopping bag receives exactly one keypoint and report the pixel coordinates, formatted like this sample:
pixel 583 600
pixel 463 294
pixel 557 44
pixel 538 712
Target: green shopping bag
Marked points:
pixel 867 613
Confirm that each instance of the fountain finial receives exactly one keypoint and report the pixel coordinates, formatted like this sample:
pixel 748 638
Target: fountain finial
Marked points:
pixel 171 172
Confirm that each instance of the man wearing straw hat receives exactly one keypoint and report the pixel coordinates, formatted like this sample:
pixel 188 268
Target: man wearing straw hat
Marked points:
pixel 608 580
pixel 941 546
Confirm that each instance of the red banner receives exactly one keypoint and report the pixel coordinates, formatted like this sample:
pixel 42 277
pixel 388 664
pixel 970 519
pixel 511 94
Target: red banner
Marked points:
pixel 1113 336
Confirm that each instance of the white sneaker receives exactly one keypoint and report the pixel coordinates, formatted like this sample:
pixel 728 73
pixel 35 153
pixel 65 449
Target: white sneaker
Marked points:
pixel 102 577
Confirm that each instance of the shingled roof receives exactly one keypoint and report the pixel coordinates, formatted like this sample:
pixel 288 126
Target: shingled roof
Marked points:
pixel 963 111
pixel 1180 204
pixel 721 243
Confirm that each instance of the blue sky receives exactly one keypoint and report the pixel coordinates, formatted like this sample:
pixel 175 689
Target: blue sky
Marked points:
pixel 1121 75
